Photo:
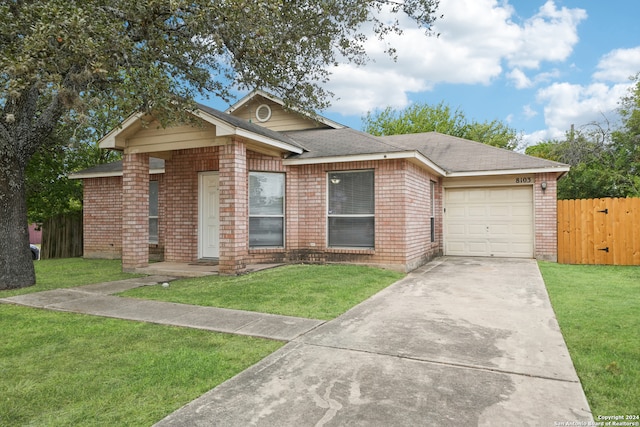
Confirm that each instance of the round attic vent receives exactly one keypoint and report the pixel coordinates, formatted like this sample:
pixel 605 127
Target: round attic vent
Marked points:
pixel 263 113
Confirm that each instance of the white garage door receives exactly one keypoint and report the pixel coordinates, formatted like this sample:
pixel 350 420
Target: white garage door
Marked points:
pixel 491 221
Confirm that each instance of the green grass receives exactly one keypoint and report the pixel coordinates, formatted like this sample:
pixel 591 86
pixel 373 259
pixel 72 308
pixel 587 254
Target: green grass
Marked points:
pixel 69 272
pixel 313 291
pixel 62 369
pixel 598 309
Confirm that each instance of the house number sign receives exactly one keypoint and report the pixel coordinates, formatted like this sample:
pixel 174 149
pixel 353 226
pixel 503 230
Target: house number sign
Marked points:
pixel 524 180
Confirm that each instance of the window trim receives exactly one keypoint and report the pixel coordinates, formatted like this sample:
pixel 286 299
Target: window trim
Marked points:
pixel 283 216
pixel 329 215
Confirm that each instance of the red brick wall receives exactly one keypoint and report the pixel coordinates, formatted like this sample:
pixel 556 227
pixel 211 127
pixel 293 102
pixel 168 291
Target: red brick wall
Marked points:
pixel 234 214
pixel 420 249
pixel 102 223
pixel 402 211
pixel 181 201
pixel 135 211
pixel 546 218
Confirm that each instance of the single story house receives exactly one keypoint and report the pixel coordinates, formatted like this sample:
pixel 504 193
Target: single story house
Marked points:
pixel 261 184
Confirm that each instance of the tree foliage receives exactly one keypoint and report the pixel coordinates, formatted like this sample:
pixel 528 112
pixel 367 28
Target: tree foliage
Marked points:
pixel 604 162
pixel 59 59
pixel 440 118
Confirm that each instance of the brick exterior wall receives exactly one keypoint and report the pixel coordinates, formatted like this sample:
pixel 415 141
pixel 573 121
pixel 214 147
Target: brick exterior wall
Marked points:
pixel 135 211
pixel 402 215
pixel 545 217
pixel 102 222
pixel 234 214
pixel 181 201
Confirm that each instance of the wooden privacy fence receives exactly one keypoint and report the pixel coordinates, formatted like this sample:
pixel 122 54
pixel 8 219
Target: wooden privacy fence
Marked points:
pixel 599 231
pixel 62 237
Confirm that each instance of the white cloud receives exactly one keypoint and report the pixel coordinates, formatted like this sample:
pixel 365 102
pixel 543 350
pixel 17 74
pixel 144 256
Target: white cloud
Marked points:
pixel 618 65
pixel 477 38
pixel 548 36
pixel 519 78
pixel 529 112
pixel 385 88
pixel 567 104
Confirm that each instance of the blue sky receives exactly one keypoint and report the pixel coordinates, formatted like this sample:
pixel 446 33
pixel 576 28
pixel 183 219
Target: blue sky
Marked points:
pixel 537 65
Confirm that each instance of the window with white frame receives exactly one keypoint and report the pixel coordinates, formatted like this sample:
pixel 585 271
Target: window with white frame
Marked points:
pixel 153 212
pixel 351 209
pixel 266 209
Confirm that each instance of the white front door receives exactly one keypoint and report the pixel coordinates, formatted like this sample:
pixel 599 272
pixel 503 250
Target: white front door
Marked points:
pixel 209 220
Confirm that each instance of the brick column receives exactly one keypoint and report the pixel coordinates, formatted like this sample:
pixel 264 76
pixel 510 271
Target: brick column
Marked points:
pixel 233 208
pixel 135 211
pixel 546 217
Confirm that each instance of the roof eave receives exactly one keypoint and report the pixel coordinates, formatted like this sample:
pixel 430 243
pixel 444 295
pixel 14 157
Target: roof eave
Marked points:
pixel 560 169
pixel 108 174
pixel 109 140
pixel 408 155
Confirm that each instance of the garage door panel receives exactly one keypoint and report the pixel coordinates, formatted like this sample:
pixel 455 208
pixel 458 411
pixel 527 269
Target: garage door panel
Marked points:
pixel 477 247
pixel 477 211
pixel 499 230
pixel 489 222
pixel 457 212
pixel 476 230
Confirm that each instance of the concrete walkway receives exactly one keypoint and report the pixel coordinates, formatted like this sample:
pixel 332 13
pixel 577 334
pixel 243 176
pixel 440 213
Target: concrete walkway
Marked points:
pixel 459 342
pixel 97 300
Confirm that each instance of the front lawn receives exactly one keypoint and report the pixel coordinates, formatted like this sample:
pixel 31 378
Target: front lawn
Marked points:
pixel 598 309
pixel 312 291
pixel 70 272
pixel 62 369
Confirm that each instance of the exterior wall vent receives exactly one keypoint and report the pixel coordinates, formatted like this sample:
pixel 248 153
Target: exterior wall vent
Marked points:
pixel 263 113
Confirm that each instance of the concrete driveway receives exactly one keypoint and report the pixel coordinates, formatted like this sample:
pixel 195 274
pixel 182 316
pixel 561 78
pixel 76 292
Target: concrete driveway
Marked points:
pixel 459 342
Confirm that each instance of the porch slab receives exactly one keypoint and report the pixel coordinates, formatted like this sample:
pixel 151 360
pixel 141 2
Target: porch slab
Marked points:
pixel 194 269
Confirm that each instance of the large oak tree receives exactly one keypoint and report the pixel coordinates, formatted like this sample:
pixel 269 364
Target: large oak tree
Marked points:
pixel 61 57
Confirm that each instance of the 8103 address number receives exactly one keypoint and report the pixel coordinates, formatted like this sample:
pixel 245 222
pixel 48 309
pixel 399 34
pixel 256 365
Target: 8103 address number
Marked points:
pixel 524 180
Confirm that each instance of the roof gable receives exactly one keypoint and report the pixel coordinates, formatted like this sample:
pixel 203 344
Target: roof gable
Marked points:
pixel 269 111
pixel 133 136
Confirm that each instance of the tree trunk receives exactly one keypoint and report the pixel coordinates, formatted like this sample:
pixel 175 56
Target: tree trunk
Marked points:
pixel 16 263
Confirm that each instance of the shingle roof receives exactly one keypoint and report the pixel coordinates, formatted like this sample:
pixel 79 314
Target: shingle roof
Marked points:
pixel 450 153
pixel 338 142
pixel 455 154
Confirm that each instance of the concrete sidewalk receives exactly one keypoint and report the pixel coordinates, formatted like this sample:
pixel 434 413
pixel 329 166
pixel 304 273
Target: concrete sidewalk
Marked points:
pixel 459 342
pixel 97 300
